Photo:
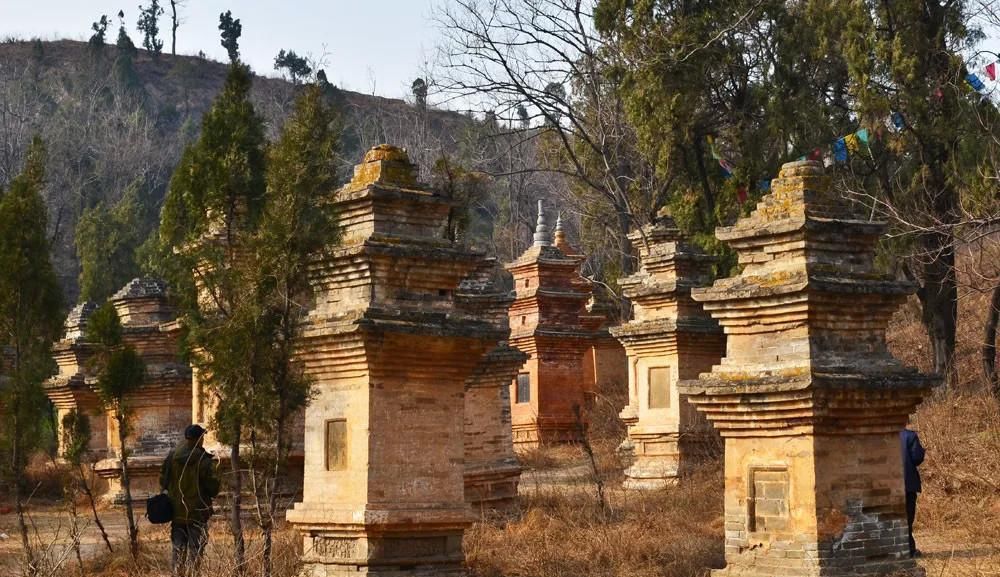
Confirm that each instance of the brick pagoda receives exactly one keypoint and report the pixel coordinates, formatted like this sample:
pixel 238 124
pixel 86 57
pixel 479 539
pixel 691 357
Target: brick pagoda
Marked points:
pixel 160 409
pixel 809 400
pixel 492 471
pixel 670 338
pixel 390 353
pixel 69 389
pixel 549 322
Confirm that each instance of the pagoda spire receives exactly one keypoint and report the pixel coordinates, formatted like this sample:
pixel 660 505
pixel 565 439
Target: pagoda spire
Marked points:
pixel 560 236
pixel 542 237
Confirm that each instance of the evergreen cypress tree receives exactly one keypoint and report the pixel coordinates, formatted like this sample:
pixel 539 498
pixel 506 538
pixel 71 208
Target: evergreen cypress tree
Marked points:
pixel 106 244
pixel 906 59
pixel 211 209
pixel 120 372
pixel 30 319
pixel 296 224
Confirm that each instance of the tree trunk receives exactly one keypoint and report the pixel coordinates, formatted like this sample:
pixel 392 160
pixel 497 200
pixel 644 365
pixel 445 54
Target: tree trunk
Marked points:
pixel 236 488
pixel 133 530
pixel 272 505
pixel 989 350
pixel 939 297
pixel 708 217
pixel 173 27
pixel 17 469
pixel 93 508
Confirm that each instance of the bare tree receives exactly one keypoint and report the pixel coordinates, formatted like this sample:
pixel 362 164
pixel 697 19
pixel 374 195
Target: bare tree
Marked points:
pixel 175 23
pixel 541 63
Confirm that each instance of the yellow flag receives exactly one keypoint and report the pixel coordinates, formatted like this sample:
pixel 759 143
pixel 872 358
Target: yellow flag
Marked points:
pixel 852 142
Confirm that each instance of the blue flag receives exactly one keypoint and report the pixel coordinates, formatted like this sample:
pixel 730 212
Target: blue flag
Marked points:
pixel 840 150
pixel 764 185
pixel 975 82
pixel 897 120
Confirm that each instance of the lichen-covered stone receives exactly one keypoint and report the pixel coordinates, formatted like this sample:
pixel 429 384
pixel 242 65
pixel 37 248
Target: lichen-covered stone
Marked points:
pixel 669 338
pixel 808 398
pixel 390 350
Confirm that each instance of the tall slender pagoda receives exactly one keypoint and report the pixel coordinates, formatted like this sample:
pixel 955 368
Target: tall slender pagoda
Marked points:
pixel 549 322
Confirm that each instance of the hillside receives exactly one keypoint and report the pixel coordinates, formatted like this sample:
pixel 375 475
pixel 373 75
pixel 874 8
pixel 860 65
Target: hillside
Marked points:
pixel 113 123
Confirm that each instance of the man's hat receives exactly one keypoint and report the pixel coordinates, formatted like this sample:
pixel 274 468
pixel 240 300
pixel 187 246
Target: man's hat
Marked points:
pixel 193 432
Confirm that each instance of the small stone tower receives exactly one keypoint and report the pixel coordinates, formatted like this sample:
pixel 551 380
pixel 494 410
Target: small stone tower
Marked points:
pixel 391 353
pixel 670 338
pixel 808 398
pixel 492 471
pixel 549 322
pixel 69 389
pixel 161 408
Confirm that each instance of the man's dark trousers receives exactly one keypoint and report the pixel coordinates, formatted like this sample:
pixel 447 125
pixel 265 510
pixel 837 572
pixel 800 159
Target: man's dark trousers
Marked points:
pixel 188 543
pixel 911 513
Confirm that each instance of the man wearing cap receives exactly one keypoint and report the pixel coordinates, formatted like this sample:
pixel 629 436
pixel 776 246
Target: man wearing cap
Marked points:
pixel 188 477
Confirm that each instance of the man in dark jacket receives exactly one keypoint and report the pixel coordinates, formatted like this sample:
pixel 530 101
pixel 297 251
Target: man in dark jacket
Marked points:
pixel 913 455
pixel 188 477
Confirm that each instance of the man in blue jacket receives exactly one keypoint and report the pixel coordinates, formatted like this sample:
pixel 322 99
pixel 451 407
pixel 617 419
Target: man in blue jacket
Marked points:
pixel 913 455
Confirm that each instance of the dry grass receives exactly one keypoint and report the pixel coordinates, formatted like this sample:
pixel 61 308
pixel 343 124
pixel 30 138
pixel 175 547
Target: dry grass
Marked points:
pixel 154 558
pixel 958 514
pixel 561 529
pixel 564 532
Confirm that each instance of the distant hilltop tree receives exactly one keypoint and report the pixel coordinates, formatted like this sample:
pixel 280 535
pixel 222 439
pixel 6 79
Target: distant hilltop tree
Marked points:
pixel 100 29
pixel 419 88
pixel 148 24
pixel 175 23
pixel 124 42
pixel 231 31
pixel 296 66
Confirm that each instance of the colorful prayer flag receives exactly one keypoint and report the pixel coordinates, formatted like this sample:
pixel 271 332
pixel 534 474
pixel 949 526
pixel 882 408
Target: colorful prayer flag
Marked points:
pixel 764 185
pixel 815 154
pixel 974 82
pixel 863 136
pixel 712 149
pixel 991 70
pixel 840 150
pixel 851 140
pixel 741 194
pixel 727 169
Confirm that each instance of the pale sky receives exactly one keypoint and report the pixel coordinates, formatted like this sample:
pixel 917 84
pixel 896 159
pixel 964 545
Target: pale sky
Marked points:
pixel 370 46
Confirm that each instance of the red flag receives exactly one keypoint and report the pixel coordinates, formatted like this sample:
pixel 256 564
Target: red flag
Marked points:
pixel 991 70
pixel 741 194
pixel 815 154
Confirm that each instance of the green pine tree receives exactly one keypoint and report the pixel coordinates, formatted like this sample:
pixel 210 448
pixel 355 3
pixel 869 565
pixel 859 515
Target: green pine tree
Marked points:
pixel 30 320
pixel 906 60
pixel 148 24
pixel 211 210
pixel 120 373
pixel 295 225
pixel 106 243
